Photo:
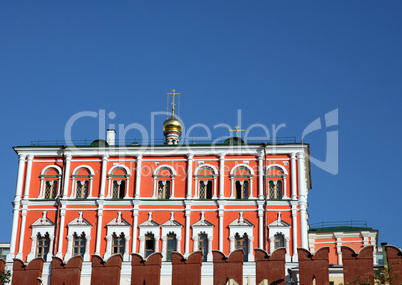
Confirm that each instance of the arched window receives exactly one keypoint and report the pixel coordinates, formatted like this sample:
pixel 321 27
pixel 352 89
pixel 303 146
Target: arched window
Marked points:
pixel 82 177
pixel 279 241
pixel 275 177
pixel 118 243
pixel 82 189
pixel 241 182
pixel 118 183
pixel 241 242
pixel 205 189
pixel 50 189
pixel 171 245
pixel 203 245
pixel 163 189
pixel 42 245
pixel 149 244
pixel 205 178
pixel 242 189
pixel 50 182
pixel 118 189
pixel 79 244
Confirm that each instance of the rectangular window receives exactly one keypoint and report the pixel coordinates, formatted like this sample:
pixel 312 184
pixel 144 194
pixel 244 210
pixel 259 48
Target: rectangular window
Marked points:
pixel 118 244
pixel 171 246
pixel 3 252
pixel 42 246
pixel 149 244
pixel 79 243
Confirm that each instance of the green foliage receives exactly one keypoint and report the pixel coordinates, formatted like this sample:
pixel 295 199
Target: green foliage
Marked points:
pixel 382 276
pixel 5 276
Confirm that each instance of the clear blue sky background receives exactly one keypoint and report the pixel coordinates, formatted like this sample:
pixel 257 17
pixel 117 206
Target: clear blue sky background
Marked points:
pixel 279 62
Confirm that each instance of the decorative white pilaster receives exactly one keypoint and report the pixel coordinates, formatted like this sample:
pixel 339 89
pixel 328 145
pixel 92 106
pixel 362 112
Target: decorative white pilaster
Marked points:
pixel 189 176
pixel 108 252
pixel 157 238
pixel 293 175
pixel 135 225
pixel 260 178
pixel 126 196
pixel 195 243
pixel 302 201
pixel 31 254
pixel 294 234
pixel 138 178
pixel 22 231
pixel 232 245
pixel 260 224
pixel 109 188
pixel 250 249
pixel 220 232
pixel 68 254
pixel 87 247
pixel 285 190
pixel 61 231
pixel 222 177
pixel 99 227
pixel 66 176
pixel 209 257
pixel 271 244
pixel 187 233
pixel 103 176
pixel 28 176
pixel 90 187
pixel 155 195
pixel 250 192
pixel 164 245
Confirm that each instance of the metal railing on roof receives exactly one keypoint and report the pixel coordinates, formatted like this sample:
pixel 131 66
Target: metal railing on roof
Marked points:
pixel 186 141
pixel 335 224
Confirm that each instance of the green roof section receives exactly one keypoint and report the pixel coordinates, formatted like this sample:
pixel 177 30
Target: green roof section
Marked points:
pixel 339 226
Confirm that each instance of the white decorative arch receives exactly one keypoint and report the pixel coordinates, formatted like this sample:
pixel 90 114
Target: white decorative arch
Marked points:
pixel 232 171
pixel 285 172
pixel 91 171
pixel 50 166
pixel 119 166
pixel 214 170
pixel 174 173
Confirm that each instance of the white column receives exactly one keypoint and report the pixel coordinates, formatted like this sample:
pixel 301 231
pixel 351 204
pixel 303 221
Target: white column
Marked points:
pixel 99 226
pixel 260 178
pixel 138 177
pixel 31 255
pixel 220 232
pixel 155 195
pixel 271 244
pixel 187 233
pixel 66 176
pixel 28 176
pixel 90 187
pixel 214 195
pixel 189 176
pixel 22 231
pixel 232 247
pixel 61 231
pixel 293 176
pixel 135 225
pixel 250 249
pixel 209 257
pixel 164 238
pixel 197 188
pixel 157 238
pixel 172 196
pixel 232 195
pixel 260 224
pixel 222 177
pixel 103 176
pixel 69 247
pixel 302 201
pixel 108 252
pixel 284 188
pixel 295 234
pixel 16 203
pixel 142 246
pixel 20 179
pixel 127 188
pixel 178 243
pixel 251 188
pixel 87 247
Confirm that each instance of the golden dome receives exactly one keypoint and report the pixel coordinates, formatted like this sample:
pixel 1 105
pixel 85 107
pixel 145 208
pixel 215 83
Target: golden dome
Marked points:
pixel 172 124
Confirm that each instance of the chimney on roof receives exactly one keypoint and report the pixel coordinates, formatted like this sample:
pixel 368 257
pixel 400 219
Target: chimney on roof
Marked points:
pixel 111 137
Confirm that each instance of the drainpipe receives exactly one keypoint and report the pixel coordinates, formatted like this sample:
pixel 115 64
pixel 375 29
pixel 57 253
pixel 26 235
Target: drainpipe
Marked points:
pixel 58 203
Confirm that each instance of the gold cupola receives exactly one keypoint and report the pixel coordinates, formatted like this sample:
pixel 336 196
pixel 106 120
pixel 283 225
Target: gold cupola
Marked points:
pixel 172 127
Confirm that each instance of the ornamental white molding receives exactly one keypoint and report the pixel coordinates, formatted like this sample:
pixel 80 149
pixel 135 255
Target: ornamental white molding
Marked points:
pixel 51 166
pixel 172 170
pixel 41 226
pixel 285 172
pixel 119 166
pixel 117 226
pixel 84 166
pixel 202 166
pixel 232 171
pixel 78 226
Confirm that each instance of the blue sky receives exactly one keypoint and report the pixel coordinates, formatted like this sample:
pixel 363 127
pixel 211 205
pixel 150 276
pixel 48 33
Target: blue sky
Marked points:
pixel 279 62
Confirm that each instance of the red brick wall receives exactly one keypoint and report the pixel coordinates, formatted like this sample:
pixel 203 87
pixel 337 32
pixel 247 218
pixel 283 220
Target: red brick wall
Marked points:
pixel 313 266
pixel 226 268
pixel 186 271
pixel 270 267
pixel 358 267
pixel 146 271
pixel 106 273
pixel 394 258
pixel 66 273
pixel 2 265
pixel 27 274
